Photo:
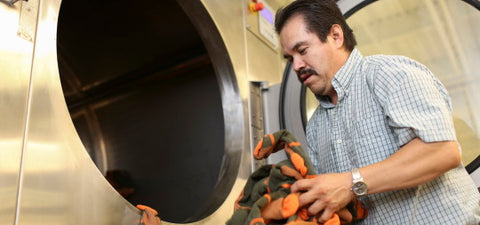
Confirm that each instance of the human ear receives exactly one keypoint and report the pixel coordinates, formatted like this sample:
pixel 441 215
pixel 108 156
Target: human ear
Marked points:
pixel 336 33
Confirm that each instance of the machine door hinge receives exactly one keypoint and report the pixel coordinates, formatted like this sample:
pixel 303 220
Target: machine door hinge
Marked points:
pixel 27 25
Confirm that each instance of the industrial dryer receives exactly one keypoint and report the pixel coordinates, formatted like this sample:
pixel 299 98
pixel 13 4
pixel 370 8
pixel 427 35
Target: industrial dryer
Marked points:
pixel 175 94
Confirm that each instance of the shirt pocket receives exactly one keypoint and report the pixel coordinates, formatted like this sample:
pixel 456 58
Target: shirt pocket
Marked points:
pixel 371 139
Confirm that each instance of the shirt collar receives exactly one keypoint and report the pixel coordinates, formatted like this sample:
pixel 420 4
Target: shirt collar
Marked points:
pixel 342 79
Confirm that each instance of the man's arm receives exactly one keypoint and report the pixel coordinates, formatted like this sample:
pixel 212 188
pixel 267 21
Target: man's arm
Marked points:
pixel 415 163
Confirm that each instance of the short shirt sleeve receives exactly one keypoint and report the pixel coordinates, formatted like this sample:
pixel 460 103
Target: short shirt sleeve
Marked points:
pixel 415 102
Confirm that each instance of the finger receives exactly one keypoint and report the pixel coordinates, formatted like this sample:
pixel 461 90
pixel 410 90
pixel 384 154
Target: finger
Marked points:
pixel 151 212
pixel 334 220
pixel 316 208
pixel 301 185
pixel 345 215
pixel 327 214
pixel 158 221
pixel 141 207
pixel 307 198
pixel 147 209
pixel 149 216
pixel 151 220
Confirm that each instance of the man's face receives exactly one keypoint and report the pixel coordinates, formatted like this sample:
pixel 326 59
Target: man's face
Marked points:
pixel 311 59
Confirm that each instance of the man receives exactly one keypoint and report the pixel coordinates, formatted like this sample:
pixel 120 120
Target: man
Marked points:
pixel 383 131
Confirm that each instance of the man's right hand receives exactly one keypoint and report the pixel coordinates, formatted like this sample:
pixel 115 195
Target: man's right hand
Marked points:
pixel 150 216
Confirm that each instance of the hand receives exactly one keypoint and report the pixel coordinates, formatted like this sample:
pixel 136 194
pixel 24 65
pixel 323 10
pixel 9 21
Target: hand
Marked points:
pixel 327 192
pixel 345 215
pixel 150 216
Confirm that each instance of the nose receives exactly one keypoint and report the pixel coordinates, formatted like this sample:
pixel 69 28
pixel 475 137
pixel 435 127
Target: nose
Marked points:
pixel 298 64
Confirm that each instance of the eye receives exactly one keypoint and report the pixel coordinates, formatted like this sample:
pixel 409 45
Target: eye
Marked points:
pixel 302 51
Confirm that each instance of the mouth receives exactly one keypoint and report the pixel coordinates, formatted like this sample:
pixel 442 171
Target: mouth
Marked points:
pixel 304 74
pixel 304 77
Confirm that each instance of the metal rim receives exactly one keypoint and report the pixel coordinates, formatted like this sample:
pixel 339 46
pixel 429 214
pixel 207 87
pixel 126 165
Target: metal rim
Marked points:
pixel 231 102
pixel 474 3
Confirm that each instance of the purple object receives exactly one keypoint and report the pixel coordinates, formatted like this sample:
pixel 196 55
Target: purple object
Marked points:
pixel 267 15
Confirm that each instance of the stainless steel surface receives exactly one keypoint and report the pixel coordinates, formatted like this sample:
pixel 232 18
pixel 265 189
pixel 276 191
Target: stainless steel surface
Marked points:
pixel 257 121
pixel 60 182
pixel 271 104
pixel 15 65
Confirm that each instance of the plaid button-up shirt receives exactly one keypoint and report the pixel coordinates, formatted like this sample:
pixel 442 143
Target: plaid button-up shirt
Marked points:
pixel 383 103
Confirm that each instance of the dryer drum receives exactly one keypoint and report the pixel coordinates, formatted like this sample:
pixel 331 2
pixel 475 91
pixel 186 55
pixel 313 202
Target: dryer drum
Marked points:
pixel 146 101
pixel 144 95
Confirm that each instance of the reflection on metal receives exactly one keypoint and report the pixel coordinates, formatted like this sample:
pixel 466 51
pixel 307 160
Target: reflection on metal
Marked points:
pixel 15 65
pixel 96 149
pixel 58 180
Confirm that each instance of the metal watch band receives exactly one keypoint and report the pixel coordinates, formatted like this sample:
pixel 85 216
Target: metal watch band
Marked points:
pixel 356 176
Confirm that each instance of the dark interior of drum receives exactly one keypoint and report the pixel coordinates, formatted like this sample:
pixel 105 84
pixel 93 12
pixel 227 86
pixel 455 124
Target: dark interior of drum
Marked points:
pixel 145 100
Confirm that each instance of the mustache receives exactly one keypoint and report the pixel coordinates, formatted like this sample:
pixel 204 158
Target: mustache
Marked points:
pixel 306 71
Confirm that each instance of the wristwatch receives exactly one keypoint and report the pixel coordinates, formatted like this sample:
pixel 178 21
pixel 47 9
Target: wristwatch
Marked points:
pixel 359 187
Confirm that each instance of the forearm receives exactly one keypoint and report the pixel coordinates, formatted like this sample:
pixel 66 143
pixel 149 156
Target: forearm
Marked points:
pixel 415 163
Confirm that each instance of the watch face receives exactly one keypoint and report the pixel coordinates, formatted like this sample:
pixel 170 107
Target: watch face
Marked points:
pixel 359 188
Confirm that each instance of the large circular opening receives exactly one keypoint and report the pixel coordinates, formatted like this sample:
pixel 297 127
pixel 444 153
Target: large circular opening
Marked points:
pixel 146 101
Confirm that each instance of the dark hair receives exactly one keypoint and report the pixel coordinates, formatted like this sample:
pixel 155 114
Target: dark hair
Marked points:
pixel 319 15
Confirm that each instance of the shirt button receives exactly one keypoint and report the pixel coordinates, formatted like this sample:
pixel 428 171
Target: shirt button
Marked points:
pixel 339 141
